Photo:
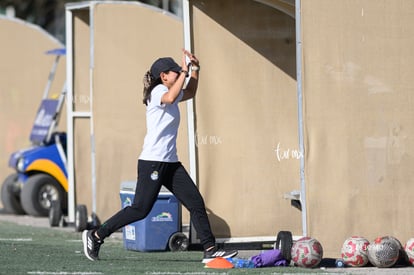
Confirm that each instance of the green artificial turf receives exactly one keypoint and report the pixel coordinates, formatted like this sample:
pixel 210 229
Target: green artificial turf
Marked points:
pixel 34 250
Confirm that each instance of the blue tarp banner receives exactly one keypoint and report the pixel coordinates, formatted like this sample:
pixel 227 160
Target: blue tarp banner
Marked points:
pixel 44 119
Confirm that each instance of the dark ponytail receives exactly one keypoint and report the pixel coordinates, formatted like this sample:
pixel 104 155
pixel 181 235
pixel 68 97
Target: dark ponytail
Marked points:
pixel 149 84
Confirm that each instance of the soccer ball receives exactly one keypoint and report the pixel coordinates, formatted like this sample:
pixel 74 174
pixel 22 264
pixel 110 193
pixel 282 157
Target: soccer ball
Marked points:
pixel 384 251
pixel 403 256
pixel 354 251
pixel 307 252
pixel 409 249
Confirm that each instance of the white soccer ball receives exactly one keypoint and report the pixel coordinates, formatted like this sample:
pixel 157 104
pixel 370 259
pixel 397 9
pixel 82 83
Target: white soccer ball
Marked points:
pixel 307 252
pixel 384 251
pixel 409 250
pixel 354 251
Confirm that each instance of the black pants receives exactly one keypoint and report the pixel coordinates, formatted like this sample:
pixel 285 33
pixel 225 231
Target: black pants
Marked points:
pixel 151 176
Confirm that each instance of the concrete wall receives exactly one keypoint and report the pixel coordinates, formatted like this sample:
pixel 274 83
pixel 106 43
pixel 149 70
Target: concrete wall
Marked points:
pixel 246 113
pixel 358 105
pixel 24 72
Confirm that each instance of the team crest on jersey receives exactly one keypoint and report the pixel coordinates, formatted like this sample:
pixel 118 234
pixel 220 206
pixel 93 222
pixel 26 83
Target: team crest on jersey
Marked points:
pixel 154 175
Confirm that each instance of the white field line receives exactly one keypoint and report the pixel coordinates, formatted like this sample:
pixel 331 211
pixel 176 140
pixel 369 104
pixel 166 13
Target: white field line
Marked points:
pixel 16 239
pixel 174 273
pixel 63 273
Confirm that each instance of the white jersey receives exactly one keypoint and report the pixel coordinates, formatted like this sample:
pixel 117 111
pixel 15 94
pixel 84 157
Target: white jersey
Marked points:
pixel 162 127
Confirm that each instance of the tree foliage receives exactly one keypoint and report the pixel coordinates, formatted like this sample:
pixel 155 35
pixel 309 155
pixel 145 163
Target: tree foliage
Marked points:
pixel 50 14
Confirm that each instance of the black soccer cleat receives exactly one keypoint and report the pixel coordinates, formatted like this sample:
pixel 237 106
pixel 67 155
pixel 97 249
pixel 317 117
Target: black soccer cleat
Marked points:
pixel 215 253
pixel 91 245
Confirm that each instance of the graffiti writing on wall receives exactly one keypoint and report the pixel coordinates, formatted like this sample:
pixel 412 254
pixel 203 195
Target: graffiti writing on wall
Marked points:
pixel 287 153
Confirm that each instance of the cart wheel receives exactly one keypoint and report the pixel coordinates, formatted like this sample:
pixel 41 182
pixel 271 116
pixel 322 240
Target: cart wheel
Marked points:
pixel 10 195
pixel 95 223
pixel 55 213
pixel 178 242
pixel 38 192
pixel 284 244
pixel 81 218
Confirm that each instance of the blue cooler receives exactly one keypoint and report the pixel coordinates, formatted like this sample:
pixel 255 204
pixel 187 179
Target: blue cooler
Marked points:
pixel 153 232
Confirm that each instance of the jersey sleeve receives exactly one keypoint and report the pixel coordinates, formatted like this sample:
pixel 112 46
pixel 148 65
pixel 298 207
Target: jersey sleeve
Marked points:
pixel 157 94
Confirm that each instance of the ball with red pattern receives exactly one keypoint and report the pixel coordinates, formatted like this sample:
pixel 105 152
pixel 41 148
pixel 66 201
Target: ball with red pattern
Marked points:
pixel 307 252
pixel 409 249
pixel 354 251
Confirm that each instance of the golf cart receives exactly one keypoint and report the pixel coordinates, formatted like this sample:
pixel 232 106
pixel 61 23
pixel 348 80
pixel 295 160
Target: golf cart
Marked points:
pixel 40 177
